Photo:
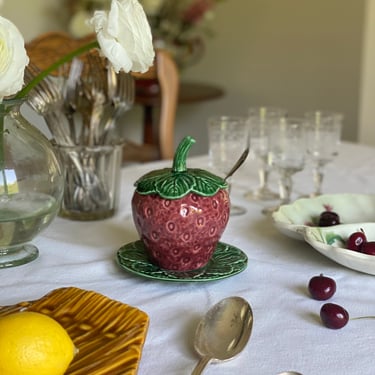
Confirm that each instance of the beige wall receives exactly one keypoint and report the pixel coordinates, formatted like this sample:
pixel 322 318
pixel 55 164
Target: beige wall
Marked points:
pixel 300 54
pixel 367 94
pixel 33 17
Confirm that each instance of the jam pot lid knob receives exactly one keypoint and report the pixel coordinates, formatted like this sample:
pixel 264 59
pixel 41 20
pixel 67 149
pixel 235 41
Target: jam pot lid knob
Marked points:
pixel 178 181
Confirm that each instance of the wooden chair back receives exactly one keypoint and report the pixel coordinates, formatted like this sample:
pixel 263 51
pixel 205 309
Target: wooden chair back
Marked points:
pixel 158 134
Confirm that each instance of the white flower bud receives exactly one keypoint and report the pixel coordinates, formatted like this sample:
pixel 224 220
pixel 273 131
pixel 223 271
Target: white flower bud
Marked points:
pixel 13 58
pixel 124 36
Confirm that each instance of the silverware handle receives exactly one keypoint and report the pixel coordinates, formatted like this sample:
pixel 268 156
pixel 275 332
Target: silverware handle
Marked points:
pixel 203 362
pixel 238 163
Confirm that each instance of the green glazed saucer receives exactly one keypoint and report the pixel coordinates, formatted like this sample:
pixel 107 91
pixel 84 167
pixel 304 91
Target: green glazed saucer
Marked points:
pixel 226 261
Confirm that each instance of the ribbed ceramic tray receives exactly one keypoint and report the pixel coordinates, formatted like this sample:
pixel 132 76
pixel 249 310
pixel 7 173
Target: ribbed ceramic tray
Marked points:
pixel 108 334
pixel 292 219
pixel 331 242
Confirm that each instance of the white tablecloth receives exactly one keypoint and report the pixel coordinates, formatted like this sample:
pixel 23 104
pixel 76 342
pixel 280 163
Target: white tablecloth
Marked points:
pixel 287 332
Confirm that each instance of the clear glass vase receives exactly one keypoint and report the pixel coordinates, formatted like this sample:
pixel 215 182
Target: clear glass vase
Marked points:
pixel 31 185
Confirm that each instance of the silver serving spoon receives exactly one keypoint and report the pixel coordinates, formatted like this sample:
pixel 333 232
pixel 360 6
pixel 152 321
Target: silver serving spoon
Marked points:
pixel 223 332
pixel 289 373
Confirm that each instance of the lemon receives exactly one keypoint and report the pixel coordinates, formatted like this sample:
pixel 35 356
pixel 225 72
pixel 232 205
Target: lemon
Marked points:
pixel 33 344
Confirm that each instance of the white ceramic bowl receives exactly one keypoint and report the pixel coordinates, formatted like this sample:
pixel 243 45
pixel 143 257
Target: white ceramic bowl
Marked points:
pixel 292 219
pixel 331 242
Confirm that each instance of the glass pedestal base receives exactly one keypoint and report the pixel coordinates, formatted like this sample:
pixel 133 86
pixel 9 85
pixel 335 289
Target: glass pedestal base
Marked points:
pixel 17 255
pixel 237 210
pixel 262 194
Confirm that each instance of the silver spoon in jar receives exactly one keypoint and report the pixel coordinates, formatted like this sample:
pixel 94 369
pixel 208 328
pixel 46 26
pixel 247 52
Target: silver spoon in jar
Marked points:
pixel 223 332
pixel 238 163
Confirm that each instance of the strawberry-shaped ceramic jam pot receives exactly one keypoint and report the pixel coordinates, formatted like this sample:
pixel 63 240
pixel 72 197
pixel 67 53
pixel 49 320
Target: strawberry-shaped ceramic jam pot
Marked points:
pixel 180 214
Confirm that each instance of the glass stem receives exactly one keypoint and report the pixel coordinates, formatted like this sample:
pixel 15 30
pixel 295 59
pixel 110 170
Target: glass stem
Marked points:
pixel 285 186
pixel 263 178
pixel 263 173
pixel 318 176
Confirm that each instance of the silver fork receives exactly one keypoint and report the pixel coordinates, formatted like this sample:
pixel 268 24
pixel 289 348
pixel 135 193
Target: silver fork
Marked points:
pixel 70 103
pixel 99 96
pixel 45 96
pixel 46 99
pixel 122 101
pixel 93 96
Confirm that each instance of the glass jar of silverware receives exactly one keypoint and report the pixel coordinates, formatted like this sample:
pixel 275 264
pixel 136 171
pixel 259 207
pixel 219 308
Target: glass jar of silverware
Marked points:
pixel 80 105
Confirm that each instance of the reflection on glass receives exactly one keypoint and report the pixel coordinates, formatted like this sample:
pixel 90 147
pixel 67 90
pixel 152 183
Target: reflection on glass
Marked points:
pixel 227 138
pixel 259 123
pixel 323 139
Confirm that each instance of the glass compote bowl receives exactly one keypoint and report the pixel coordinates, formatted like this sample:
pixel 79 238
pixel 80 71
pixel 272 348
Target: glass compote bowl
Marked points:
pixel 287 154
pixel 323 137
pixel 259 122
pixel 228 137
pixel 31 185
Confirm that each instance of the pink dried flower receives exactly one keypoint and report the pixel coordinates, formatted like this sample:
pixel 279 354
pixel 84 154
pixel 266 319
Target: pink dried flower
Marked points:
pixel 197 10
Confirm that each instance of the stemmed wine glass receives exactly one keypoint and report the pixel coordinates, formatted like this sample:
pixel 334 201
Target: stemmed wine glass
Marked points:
pixel 228 137
pixel 259 120
pixel 287 154
pixel 323 137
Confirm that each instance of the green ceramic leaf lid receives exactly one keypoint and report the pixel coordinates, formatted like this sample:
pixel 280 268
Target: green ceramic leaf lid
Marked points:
pixel 178 181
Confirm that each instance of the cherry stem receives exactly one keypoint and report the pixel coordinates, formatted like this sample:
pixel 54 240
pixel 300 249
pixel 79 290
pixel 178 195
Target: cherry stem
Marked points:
pixel 363 317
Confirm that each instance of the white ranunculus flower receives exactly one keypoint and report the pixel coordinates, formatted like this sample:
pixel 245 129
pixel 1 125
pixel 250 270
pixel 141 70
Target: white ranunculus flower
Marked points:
pixel 124 36
pixel 13 58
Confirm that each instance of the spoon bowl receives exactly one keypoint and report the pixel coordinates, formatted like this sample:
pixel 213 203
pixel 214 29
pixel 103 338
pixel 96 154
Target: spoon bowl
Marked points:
pixel 223 332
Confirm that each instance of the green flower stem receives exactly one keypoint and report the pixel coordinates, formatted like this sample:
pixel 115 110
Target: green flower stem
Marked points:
pixel 66 58
pixel 2 161
pixel 179 160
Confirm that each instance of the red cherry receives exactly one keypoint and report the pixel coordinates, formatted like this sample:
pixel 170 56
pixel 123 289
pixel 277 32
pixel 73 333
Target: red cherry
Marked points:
pixel 356 240
pixel 328 218
pixel 334 316
pixel 322 287
pixel 368 248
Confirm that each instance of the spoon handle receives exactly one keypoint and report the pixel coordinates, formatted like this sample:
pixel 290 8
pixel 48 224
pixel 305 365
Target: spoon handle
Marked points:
pixel 238 163
pixel 203 362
